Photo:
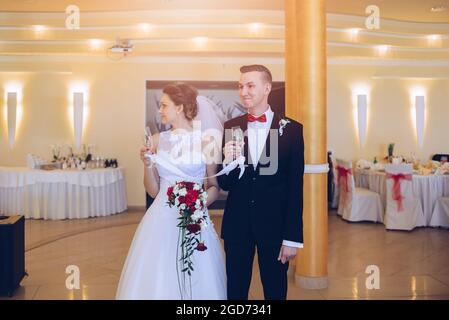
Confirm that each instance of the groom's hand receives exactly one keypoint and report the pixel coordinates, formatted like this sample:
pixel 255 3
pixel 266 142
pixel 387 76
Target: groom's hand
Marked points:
pixel 232 150
pixel 287 254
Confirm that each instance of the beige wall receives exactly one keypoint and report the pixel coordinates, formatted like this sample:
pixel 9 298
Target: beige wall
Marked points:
pixel 117 102
pixel 390 106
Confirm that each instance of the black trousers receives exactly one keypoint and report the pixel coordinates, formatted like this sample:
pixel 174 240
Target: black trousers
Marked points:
pixel 239 267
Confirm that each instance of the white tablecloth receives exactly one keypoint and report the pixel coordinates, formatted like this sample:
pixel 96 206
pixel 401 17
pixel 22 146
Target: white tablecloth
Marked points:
pixel 62 194
pixel 427 188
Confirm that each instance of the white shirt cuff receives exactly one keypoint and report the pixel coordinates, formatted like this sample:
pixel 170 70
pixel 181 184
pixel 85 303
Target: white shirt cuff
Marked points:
pixel 292 244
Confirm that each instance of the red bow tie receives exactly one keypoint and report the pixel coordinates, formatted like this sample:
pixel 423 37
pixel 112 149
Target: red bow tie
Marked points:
pixel 252 118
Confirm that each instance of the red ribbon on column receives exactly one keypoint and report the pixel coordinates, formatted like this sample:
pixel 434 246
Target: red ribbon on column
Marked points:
pixel 343 174
pixel 397 196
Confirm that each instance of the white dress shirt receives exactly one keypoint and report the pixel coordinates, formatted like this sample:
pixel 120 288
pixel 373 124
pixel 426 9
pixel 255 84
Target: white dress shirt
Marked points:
pixel 257 136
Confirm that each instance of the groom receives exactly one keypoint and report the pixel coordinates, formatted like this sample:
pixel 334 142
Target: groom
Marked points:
pixel 264 206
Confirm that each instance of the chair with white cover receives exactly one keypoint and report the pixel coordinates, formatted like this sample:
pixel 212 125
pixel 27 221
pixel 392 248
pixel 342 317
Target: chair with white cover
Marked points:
pixel 356 204
pixel 440 214
pixel 403 210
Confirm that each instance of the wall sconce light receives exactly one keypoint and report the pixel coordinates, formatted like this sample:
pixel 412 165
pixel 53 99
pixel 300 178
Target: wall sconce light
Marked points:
pixel 78 109
pixel 420 110
pixel 11 110
pixel 362 116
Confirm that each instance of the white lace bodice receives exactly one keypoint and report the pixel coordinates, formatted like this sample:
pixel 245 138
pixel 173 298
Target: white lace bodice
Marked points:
pixel 184 152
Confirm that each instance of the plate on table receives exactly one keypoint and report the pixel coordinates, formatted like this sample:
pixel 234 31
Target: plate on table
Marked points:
pixel 50 166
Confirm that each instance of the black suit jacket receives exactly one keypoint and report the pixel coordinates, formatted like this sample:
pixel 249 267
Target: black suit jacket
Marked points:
pixel 266 207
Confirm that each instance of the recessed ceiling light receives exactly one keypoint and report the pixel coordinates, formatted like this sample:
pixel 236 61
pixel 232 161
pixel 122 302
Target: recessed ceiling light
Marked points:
pixel 434 37
pixel 434 40
pixel 95 43
pixel 255 27
pixel 145 26
pixel 354 31
pixel 38 28
pixel 383 50
pixel 200 41
pixel 438 8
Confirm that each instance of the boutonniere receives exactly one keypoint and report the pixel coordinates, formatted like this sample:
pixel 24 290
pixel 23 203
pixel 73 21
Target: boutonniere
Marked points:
pixel 282 124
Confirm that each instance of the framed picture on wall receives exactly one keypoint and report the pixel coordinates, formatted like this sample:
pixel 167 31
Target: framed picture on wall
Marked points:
pixel 225 94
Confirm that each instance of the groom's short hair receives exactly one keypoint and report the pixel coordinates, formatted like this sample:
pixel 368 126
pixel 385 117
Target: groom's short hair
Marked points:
pixel 260 68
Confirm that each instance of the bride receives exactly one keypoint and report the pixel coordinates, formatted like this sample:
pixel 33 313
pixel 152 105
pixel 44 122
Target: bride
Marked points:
pixel 152 268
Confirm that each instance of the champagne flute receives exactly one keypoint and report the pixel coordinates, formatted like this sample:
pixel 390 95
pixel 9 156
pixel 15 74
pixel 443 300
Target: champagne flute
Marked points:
pixel 148 141
pixel 237 137
pixel 56 153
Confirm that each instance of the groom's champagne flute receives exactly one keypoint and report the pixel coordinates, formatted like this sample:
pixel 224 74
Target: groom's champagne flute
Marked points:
pixel 237 137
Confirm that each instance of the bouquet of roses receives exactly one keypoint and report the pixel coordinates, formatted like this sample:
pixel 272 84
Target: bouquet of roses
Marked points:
pixel 190 198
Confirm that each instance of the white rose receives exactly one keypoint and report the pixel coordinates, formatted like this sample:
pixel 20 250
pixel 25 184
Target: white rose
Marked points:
pixel 197 215
pixel 176 202
pixel 175 189
pixel 183 206
pixel 196 186
pixel 183 192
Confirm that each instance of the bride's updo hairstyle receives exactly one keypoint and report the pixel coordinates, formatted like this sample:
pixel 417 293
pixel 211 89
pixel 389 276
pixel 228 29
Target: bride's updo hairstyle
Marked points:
pixel 183 94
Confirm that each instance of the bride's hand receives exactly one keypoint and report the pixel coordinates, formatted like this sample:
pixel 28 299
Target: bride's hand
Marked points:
pixel 143 151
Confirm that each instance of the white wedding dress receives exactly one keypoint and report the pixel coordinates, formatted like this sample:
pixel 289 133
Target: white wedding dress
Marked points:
pixel 150 270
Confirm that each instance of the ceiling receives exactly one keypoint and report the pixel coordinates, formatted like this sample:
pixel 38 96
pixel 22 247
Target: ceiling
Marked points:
pixel 251 28
pixel 403 10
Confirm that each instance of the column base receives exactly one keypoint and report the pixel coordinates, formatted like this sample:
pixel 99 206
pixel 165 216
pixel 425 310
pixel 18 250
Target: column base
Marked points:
pixel 312 283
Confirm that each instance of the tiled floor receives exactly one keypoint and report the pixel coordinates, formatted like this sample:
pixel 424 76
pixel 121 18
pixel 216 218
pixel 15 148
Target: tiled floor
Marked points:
pixel 413 265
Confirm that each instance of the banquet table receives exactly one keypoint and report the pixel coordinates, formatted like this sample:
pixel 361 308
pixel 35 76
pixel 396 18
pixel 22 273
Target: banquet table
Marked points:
pixel 428 188
pixel 62 194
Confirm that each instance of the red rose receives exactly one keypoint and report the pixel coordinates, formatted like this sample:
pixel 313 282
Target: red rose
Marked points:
pixel 169 191
pixel 193 228
pixel 191 197
pixel 182 199
pixel 201 247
